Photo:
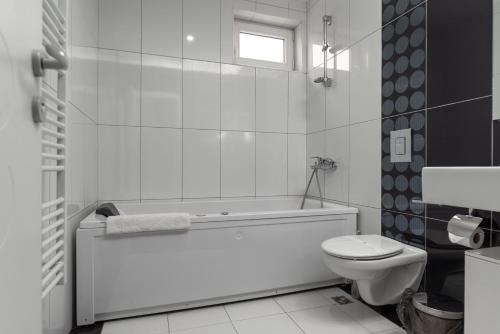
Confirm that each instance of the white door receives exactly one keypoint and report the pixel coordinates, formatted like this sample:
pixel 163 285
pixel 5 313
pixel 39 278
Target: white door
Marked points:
pixel 20 178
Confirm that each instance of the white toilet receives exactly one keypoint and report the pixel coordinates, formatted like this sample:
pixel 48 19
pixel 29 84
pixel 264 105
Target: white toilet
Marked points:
pixel 382 268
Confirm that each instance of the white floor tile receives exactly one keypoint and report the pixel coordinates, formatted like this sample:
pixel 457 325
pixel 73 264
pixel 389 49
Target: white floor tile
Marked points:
pixel 226 328
pixel 326 320
pixel 197 318
pixel 302 301
pixel 367 317
pixel 156 324
pixel 276 324
pixel 253 309
pixel 335 292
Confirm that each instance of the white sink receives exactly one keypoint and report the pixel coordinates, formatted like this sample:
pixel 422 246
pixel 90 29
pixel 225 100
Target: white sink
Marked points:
pixel 468 187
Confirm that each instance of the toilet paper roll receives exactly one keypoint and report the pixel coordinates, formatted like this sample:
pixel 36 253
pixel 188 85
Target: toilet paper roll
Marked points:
pixel 465 231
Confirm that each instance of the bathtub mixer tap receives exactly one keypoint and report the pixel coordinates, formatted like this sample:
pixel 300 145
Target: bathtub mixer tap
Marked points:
pixel 320 164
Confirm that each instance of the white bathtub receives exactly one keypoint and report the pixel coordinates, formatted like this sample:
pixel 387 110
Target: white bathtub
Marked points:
pixel 237 249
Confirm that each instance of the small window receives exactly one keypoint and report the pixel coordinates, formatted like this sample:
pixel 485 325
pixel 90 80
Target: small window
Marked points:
pixel 263 45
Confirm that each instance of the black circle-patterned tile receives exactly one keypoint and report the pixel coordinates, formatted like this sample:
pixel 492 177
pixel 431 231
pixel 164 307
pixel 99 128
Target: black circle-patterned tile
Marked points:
pixel 416 184
pixel 401 202
pixel 388 51
pixel 386 145
pixel 387 126
pixel 387 219
pixel 401 166
pixel 387 70
pixel 417 37
pixel 401 123
pixel 402 6
pixel 402 24
pixel 417 121
pixel 417 16
pixel 417 100
pixel 401 64
pixel 401 104
pixel 388 33
pixel 387 165
pixel 387 89
pixel 417 58
pixel 388 107
pixel 401 223
pixel 402 45
pixel 416 208
pixel 401 84
pixel 387 201
pixel 387 182
pixel 417 163
pixel 388 13
pixel 417 79
pixel 401 183
pixel 417 226
pixel 418 142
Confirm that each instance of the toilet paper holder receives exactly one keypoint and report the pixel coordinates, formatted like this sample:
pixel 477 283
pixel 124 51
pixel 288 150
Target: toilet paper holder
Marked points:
pixel 463 229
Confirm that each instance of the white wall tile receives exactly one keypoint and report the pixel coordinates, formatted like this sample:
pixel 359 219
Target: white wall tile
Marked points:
pixel 120 25
pixel 201 163
pixel 315 34
pixel 365 18
pixel 76 160
pixel 201 94
pixel 337 148
pixel 119 87
pixel 119 162
pixel 364 176
pixel 297 103
pixel 90 178
pixel 237 163
pixel 365 85
pixel 337 96
pixel 161 99
pixel 296 164
pixel 162 27
pixel 83 72
pixel 201 20
pixel 161 163
pixel 315 101
pixel 338 32
pixel 278 3
pixel 315 148
pixel 272 100
pixel 271 164
pixel 85 23
pixel 298 5
pixel 237 97
pixel 369 219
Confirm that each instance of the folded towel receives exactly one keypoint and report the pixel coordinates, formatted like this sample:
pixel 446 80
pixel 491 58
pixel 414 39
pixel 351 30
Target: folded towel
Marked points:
pixel 147 223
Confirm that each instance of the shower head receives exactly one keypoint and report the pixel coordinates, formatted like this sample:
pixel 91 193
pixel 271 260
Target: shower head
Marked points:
pixel 327 82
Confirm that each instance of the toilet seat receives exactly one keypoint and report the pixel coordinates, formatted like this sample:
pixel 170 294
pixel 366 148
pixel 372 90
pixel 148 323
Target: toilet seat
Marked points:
pixel 362 247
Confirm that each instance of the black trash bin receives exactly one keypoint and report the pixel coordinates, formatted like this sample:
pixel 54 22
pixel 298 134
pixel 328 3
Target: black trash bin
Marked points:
pixel 422 313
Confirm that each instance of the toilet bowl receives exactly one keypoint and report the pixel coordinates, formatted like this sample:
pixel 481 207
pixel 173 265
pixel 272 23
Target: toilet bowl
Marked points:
pixel 383 268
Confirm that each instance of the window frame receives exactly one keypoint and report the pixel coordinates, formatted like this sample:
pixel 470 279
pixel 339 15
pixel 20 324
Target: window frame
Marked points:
pixel 265 30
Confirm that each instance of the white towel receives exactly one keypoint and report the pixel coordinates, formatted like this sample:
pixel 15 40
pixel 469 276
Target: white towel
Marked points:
pixel 148 223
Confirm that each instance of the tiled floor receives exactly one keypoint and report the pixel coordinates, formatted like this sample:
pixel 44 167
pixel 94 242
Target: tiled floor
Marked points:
pixel 311 312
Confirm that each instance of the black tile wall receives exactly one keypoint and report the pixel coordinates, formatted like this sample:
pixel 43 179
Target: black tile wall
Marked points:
pixel 436 80
pixel 459 50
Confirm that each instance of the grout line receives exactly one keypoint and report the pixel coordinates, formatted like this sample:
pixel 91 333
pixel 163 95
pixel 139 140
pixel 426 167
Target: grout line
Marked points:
pixel 230 320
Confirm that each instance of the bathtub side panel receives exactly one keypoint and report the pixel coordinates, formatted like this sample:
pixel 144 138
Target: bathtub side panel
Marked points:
pixel 157 270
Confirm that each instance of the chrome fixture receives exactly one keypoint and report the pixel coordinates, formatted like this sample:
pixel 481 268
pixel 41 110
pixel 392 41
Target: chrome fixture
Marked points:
pixel 325 80
pixel 320 164
pixel 40 62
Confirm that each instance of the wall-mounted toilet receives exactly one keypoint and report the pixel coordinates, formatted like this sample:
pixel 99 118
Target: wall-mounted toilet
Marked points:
pixel 383 268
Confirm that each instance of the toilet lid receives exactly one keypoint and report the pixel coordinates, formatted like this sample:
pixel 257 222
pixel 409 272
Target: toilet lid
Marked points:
pixel 362 247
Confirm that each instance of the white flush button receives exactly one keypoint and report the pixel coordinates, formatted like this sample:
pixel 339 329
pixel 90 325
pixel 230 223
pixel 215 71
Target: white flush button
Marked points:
pixel 401 145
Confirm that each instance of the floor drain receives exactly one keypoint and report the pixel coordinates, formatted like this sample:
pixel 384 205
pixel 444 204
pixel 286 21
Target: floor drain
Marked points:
pixel 342 300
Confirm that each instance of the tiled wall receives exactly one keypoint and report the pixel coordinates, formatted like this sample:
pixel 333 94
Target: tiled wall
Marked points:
pixel 178 120
pixel 344 120
pixel 435 85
